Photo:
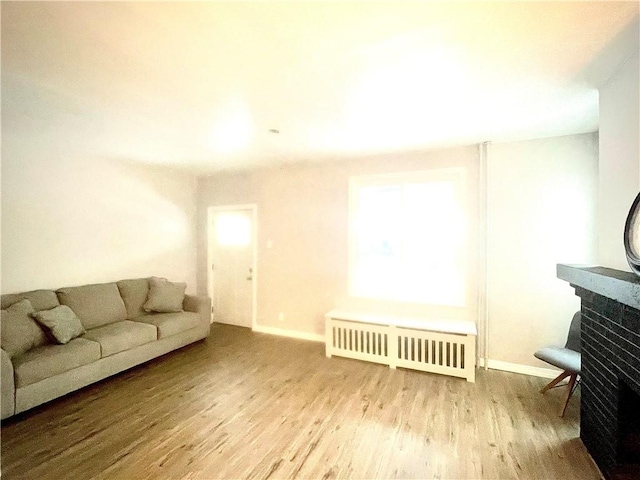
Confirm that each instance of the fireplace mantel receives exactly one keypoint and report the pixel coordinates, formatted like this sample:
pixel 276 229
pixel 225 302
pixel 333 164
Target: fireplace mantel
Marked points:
pixel 623 287
pixel 610 332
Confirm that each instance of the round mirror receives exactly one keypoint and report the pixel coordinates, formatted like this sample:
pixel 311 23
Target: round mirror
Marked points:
pixel 632 236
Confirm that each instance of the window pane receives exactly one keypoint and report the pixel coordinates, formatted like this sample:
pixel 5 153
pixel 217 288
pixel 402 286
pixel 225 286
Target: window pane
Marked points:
pixel 379 225
pixel 379 239
pixel 233 230
pixel 409 241
pixel 433 243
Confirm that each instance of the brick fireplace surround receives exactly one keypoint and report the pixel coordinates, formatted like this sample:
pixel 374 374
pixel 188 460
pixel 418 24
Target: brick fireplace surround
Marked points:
pixel 610 388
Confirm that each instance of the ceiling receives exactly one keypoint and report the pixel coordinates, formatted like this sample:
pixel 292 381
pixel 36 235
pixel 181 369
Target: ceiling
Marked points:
pixel 200 84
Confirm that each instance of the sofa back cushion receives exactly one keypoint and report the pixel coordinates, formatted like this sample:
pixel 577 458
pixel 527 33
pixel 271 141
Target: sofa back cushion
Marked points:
pixel 20 333
pixel 134 292
pixel 40 299
pixel 95 305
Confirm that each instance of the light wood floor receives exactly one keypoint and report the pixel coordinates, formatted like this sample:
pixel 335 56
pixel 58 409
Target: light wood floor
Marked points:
pixel 248 405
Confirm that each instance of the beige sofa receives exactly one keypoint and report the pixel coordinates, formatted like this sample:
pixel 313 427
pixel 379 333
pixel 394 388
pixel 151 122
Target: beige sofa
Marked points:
pixel 119 335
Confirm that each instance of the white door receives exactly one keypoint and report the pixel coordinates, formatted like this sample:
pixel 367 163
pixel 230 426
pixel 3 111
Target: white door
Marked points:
pixel 232 264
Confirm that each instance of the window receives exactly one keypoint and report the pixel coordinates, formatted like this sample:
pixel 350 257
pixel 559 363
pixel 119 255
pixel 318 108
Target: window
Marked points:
pixel 409 237
pixel 233 230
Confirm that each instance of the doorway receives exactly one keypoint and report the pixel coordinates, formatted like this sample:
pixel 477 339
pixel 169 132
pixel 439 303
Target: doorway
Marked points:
pixel 231 269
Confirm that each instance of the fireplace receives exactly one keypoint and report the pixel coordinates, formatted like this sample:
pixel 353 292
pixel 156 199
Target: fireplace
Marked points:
pixel 629 425
pixel 610 404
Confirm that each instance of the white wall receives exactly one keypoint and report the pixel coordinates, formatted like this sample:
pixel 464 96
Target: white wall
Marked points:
pixel 542 200
pixel 619 159
pixel 303 231
pixel 73 214
pixel 542 211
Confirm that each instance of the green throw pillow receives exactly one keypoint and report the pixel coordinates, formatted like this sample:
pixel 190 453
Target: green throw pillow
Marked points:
pixel 164 296
pixel 61 323
pixel 19 332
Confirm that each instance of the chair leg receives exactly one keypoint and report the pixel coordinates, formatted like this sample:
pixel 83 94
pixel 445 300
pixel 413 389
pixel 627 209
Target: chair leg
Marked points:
pixel 570 387
pixel 555 381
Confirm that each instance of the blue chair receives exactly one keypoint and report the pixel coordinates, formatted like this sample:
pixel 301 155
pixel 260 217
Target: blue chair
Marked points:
pixel 568 358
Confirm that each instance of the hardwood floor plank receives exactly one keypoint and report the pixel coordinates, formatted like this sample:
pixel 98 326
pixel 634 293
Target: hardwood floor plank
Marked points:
pixel 248 405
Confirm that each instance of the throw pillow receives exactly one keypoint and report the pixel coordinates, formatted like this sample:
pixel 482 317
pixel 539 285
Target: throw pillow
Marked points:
pixel 19 333
pixel 61 323
pixel 164 296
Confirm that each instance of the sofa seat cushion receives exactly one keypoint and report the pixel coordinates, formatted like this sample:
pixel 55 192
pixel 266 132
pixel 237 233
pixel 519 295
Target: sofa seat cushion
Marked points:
pixel 171 323
pixel 95 305
pixel 134 292
pixel 120 336
pixel 49 360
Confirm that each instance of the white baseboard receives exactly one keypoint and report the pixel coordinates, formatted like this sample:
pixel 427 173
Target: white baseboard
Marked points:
pixel 519 368
pixel 312 337
pixel 492 364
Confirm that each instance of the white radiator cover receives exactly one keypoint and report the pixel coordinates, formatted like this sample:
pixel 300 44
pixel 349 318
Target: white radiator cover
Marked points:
pixel 447 347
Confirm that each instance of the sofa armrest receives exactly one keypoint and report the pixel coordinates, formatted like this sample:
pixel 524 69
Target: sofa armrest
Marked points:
pixel 7 386
pixel 198 304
